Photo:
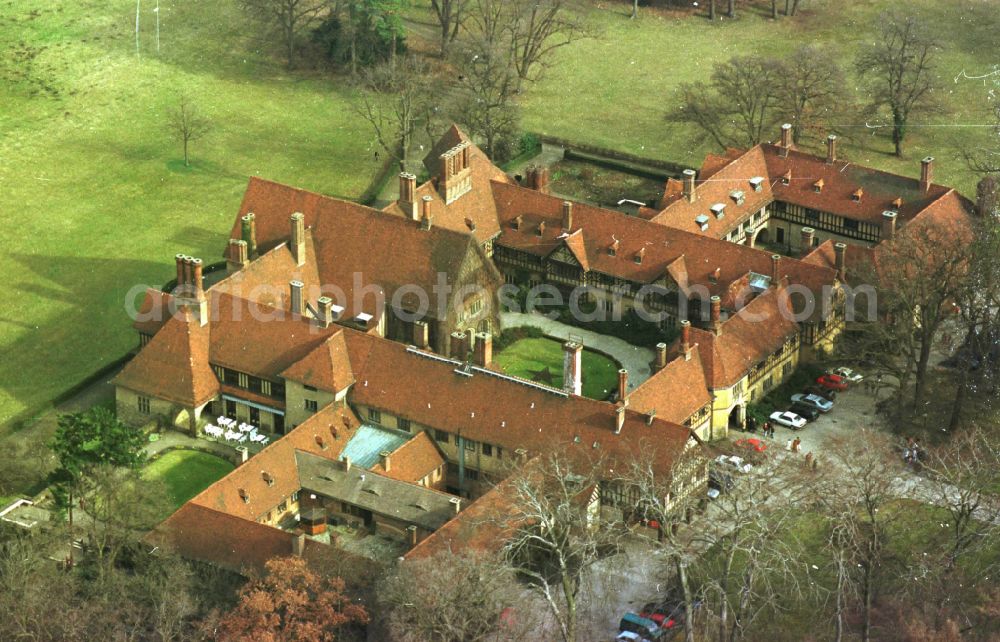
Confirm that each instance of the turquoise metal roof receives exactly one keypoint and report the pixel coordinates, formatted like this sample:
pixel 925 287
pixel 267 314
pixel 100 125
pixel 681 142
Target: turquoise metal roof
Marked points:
pixel 369 440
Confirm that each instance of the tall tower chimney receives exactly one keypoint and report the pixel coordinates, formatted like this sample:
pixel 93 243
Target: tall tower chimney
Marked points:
pixel 888 225
pixel 573 367
pixel 716 316
pixel 831 148
pixel 622 384
pixel 808 234
pixel 567 216
pixel 689 192
pixel 297 302
pixel 298 243
pixel 248 230
pixel 408 196
pixel 786 139
pixel 840 260
pixel 686 339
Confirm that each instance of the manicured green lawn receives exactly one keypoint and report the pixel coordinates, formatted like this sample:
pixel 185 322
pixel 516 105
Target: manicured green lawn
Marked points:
pixel 185 473
pixel 96 196
pixel 527 357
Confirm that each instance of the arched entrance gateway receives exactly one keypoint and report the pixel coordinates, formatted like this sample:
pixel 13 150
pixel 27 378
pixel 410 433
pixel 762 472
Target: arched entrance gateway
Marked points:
pixel 737 417
pixel 760 236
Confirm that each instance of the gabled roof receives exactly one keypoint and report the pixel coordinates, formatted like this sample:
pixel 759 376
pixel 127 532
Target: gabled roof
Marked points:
pixel 327 367
pixel 174 364
pixel 677 391
pixel 414 460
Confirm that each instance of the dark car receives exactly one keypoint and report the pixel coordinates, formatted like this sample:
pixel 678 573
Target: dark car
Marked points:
pixel 720 479
pixel 804 410
pixel 829 395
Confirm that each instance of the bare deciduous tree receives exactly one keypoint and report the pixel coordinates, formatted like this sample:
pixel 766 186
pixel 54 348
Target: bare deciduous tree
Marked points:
pixel 450 16
pixel 900 66
pixel 187 124
pixel 811 87
pixel 290 18
pixel 486 97
pixel 986 159
pixel 394 98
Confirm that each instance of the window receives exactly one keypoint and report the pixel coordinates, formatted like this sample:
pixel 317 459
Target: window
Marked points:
pixel 850 224
pixel 471 475
pixel 487 450
pixel 374 415
pixel 457 440
pixel 471 445
pixel 255 385
pixel 144 405
pixel 242 380
pixel 311 405
pixel 295 496
pixel 309 388
pixel 265 387
pixel 499 452
pixel 283 506
pixel 440 435
pixel 403 424
pixel 254 416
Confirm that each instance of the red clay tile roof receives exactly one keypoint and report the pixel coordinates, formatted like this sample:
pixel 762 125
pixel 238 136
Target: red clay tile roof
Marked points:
pixel 676 392
pixel 689 258
pixel 174 364
pixel 153 312
pixel 413 461
pixel 327 367
pixel 333 425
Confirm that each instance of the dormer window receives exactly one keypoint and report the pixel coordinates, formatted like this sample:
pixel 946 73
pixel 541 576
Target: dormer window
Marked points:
pixel 719 209
pixel 245 496
pixel 320 443
pixel 541 229
pixel 737 196
pixel 268 479
pixel 516 223
pixel 818 186
pixel 856 196
pixel 638 255
pixel 897 204
pixel 702 222
pixel 613 248
pixel 786 179
pixel 714 276
pixel 757 183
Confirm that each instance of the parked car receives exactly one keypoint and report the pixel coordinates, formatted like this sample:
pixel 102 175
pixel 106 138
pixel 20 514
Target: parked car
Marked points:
pixel 820 391
pixel 832 381
pixel 668 614
pixel 817 402
pixel 646 628
pixel 629 636
pixel 847 373
pixel 720 480
pixel 732 462
pixel 788 419
pixel 753 444
pixel 809 413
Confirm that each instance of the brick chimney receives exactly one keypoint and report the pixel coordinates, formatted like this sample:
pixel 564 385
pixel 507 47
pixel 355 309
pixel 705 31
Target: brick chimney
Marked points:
pixel 181 270
pixel 926 173
pixel 567 216
pixel 831 149
pixel 686 339
pixel 661 356
pixel 542 179
pixel 573 367
pixel 411 532
pixel 619 417
pixel 457 349
pixel 888 225
pixel 426 218
pixel 808 234
pixel 190 290
pixel 456 177
pixel 296 301
pixel 237 258
pixel 484 349
pixel 421 334
pixel 386 460
pixel 840 260
pixel 786 139
pixel 298 243
pixel 248 230
pixel 716 315
pixel 775 266
pixel 324 311
pixel 408 196
pixel 622 384
pixel 689 192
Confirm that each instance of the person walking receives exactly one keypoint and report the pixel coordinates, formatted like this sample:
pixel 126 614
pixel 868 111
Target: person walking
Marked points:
pixel 796 444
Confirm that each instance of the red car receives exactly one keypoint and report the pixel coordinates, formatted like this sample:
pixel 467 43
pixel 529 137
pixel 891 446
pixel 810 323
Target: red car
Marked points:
pixel 832 382
pixel 748 444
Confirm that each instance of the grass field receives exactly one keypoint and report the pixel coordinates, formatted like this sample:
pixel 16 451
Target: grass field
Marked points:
pixel 185 473
pixel 96 197
pixel 526 357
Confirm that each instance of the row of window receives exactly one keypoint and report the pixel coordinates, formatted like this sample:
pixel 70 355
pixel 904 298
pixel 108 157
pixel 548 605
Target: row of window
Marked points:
pixel 273 389
pixel 488 450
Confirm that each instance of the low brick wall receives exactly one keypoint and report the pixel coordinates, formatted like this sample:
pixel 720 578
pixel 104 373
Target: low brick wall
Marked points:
pixel 613 159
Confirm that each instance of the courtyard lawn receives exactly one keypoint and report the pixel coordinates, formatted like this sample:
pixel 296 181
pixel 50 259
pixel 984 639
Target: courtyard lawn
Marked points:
pixel 185 473
pixel 97 197
pixel 528 357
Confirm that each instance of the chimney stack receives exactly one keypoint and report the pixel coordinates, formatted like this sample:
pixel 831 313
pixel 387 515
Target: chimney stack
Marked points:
pixel 661 356
pixel 686 339
pixel 567 216
pixel 542 179
pixel 926 173
pixel 786 139
pixel 425 216
pixel 298 244
pixel 458 344
pixel 181 271
pixel 197 283
pixel 840 260
pixel 716 317
pixel 808 234
pixel 888 225
pixel 411 530
pixel 619 417
pixel 689 192
pixel 238 257
pixel 573 367
pixel 775 263
pixel 296 302
pixel 622 384
pixel 484 349
pixel 421 334
pixel 456 502
pixel 325 317
pixel 384 457
pixel 831 149
pixel 249 233
pixel 347 463
pixel 298 544
pixel 408 196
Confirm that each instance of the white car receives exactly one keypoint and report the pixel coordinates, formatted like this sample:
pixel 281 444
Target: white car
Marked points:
pixel 815 401
pixel 733 462
pixel 628 636
pixel 851 375
pixel 788 419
